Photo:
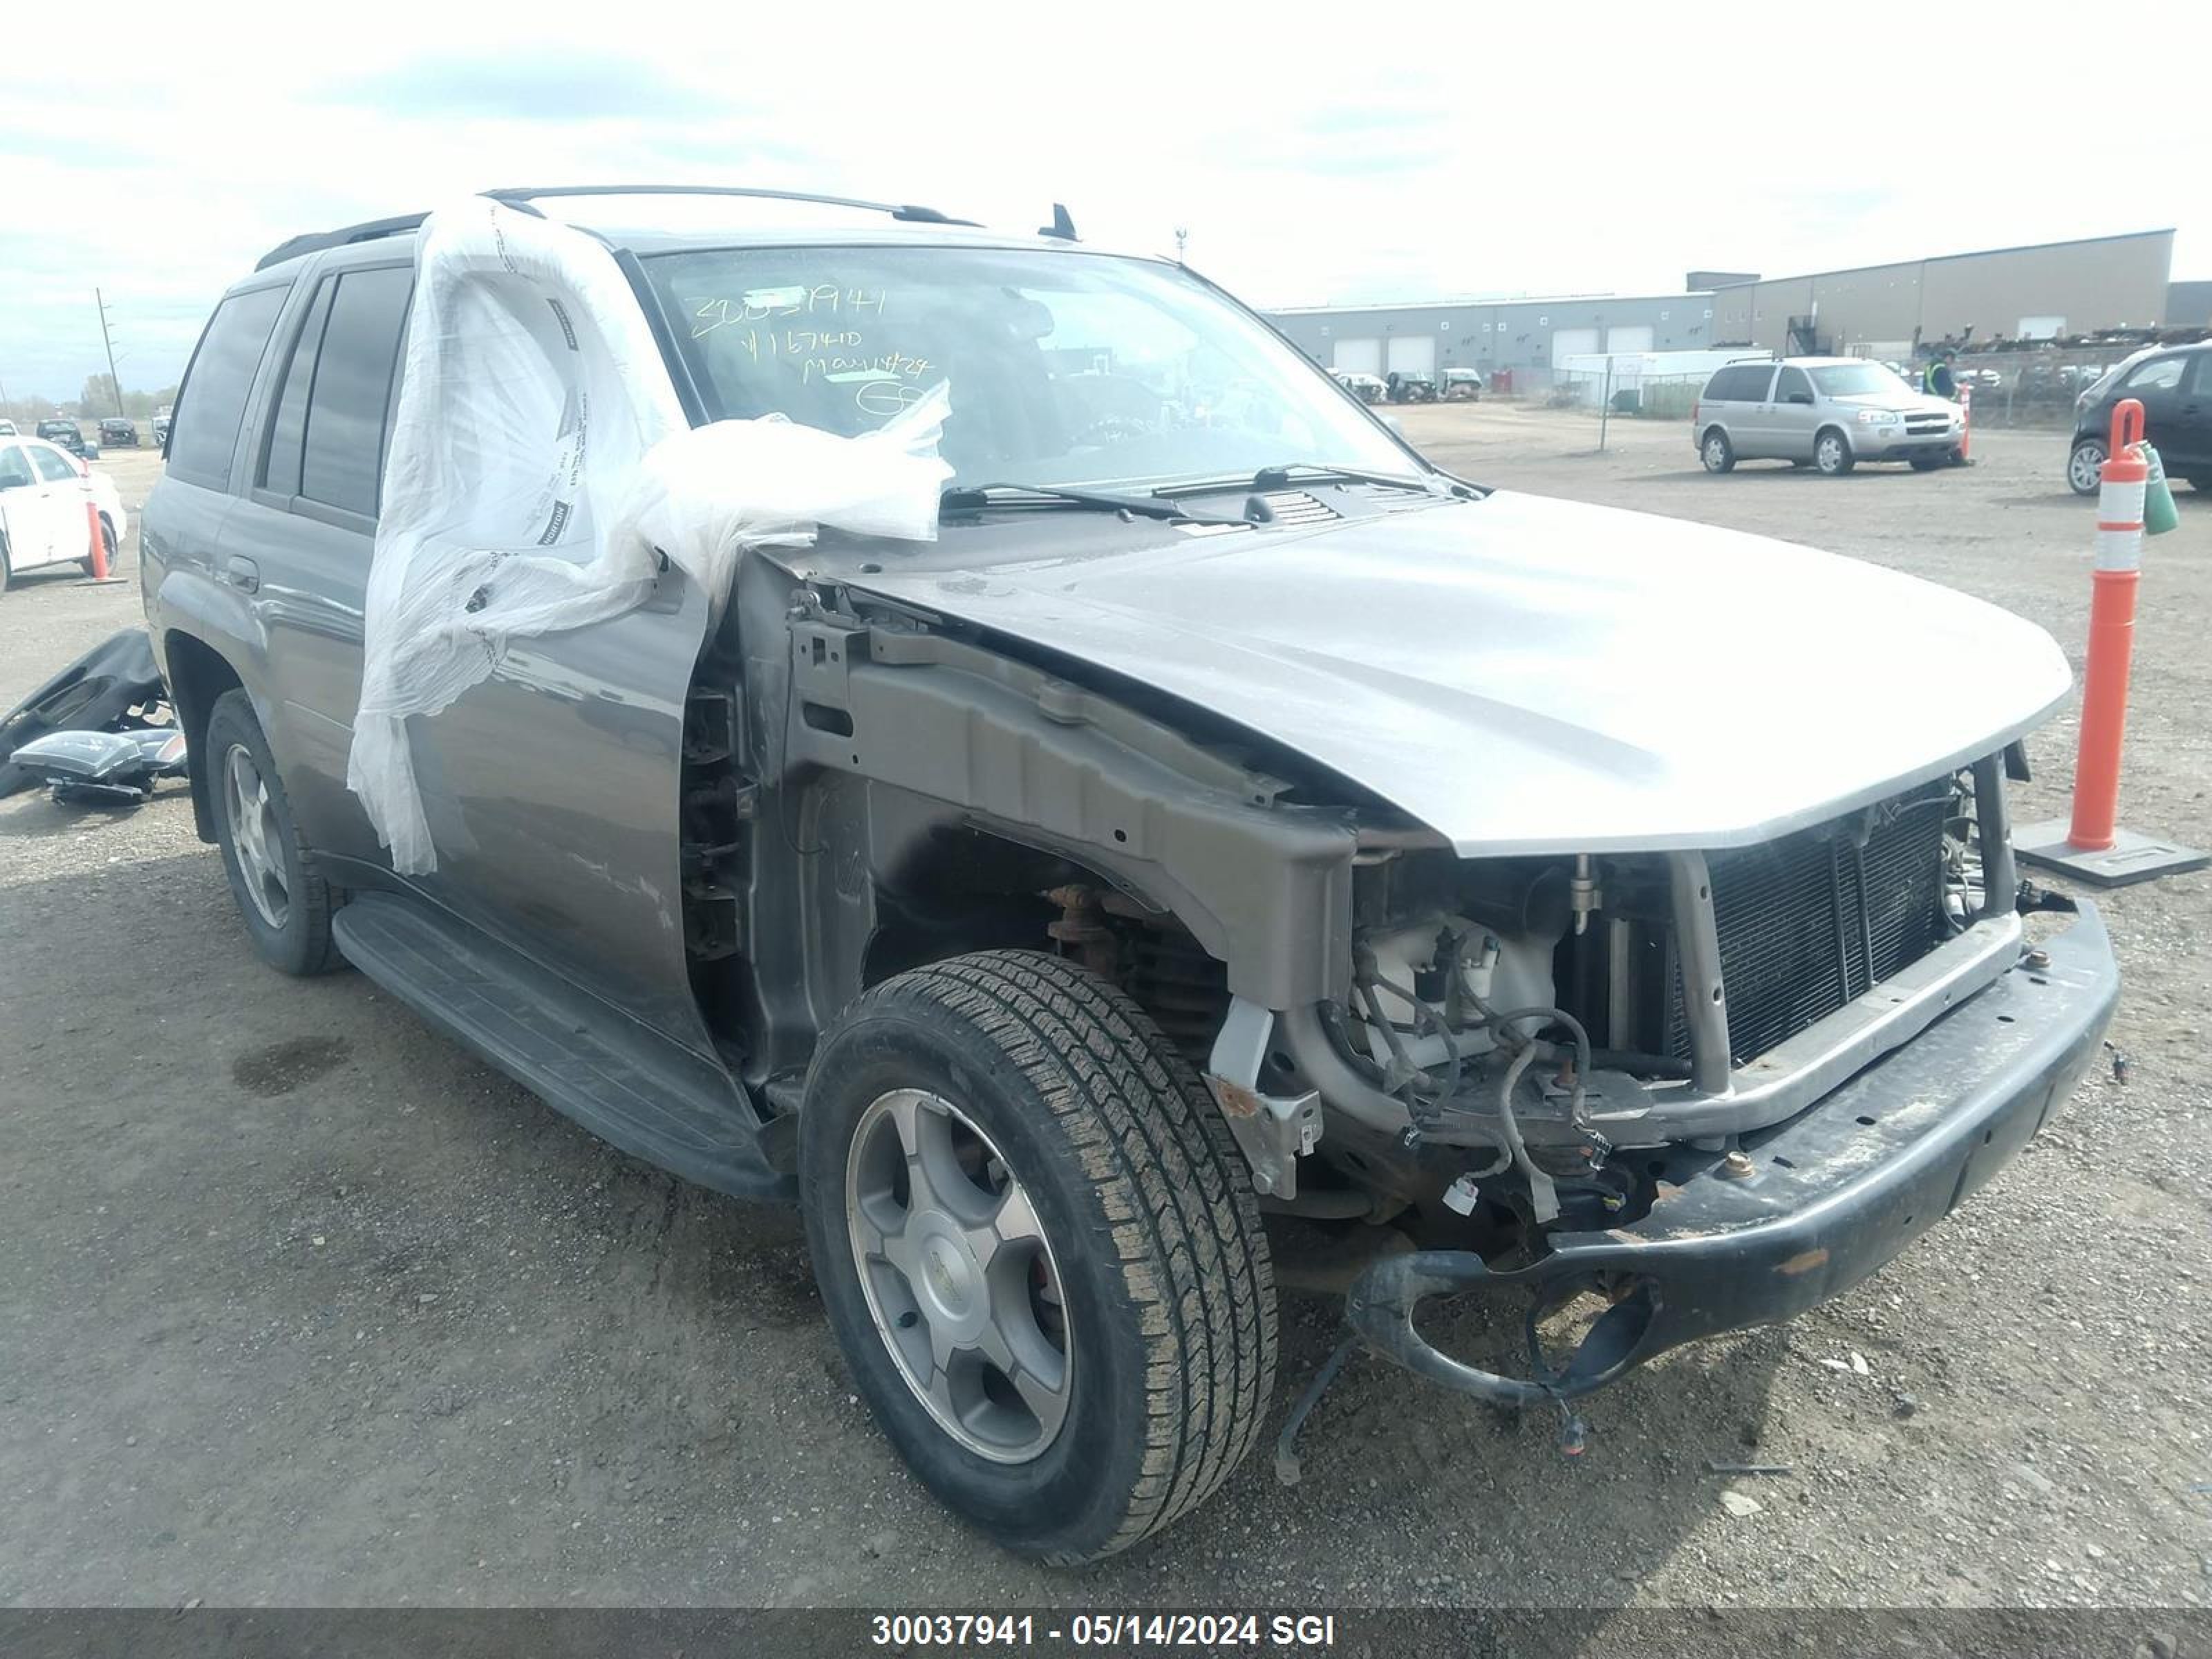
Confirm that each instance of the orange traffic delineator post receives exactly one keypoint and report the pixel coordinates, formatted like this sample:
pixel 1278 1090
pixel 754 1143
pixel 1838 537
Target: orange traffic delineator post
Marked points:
pixel 98 556
pixel 2090 845
pixel 98 544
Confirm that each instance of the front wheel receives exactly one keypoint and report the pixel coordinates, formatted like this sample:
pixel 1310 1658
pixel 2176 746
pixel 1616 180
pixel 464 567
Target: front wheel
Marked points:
pixel 2085 467
pixel 1832 454
pixel 1038 1249
pixel 1716 452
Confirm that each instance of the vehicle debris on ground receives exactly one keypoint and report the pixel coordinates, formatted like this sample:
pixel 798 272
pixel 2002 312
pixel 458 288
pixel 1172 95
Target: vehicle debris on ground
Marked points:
pixel 115 688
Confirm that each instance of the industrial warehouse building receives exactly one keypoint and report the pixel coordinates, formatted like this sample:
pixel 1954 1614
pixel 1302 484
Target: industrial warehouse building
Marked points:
pixel 2053 290
pixel 1520 335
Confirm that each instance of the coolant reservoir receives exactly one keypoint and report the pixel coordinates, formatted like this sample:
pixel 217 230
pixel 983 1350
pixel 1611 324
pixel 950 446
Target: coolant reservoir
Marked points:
pixel 1478 966
pixel 1399 958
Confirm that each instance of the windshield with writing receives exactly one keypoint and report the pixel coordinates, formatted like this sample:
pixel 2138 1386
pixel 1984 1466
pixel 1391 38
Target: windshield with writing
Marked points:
pixel 1858 380
pixel 1066 369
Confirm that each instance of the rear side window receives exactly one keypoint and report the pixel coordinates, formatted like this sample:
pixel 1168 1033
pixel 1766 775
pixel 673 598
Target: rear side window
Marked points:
pixel 15 471
pixel 341 459
pixel 213 400
pixel 1793 384
pixel 280 466
pixel 1741 383
pixel 53 466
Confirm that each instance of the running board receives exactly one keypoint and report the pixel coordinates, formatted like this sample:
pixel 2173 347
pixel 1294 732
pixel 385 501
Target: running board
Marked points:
pixel 650 1098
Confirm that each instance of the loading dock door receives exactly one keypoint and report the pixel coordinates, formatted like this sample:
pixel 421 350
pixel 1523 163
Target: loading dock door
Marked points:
pixel 1360 357
pixel 1637 338
pixel 1568 342
pixel 1414 354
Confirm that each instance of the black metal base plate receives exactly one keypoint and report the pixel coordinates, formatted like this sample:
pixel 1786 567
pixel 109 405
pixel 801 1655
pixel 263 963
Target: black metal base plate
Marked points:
pixel 2131 857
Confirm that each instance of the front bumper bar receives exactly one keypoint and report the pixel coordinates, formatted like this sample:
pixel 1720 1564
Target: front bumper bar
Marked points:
pixel 1829 1196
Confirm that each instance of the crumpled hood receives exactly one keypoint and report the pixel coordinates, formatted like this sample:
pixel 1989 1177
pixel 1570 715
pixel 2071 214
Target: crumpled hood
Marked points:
pixel 1530 675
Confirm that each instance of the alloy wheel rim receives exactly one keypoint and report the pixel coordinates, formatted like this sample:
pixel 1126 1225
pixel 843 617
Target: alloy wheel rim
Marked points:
pixel 1713 451
pixel 2089 467
pixel 254 836
pixel 1832 454
pixel 960 1276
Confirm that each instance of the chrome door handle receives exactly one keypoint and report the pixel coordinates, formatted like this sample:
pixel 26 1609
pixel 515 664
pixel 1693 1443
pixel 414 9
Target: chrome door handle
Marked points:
pixel 242 574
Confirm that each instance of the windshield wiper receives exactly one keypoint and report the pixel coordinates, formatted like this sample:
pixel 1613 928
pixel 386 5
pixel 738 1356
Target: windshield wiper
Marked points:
pixel 973 497
pixel 1279 478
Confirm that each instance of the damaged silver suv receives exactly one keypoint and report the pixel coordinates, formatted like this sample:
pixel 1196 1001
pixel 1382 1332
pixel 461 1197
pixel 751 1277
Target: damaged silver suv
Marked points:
pixel 1228 816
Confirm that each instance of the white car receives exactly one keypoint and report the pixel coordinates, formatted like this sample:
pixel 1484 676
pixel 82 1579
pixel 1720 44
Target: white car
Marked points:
pixel 44 492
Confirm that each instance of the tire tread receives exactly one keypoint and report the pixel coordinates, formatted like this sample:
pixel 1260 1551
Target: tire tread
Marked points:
pixel 1185 1224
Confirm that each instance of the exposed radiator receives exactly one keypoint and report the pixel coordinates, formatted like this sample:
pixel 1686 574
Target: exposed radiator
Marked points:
pixel 1811 921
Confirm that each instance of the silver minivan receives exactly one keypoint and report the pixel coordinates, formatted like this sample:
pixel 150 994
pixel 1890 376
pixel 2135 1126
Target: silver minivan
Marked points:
pixel 1830 413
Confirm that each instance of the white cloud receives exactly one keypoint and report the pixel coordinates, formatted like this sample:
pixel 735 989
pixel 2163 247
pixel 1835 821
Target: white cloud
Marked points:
pixel 1388 151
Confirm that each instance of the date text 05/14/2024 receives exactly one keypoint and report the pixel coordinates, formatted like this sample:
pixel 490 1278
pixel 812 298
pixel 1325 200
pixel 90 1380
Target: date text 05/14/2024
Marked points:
pixel 957 1630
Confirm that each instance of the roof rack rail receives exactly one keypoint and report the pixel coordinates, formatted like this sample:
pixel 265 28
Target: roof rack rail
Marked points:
pixel 523 198
pixel 367 231
pixel 908 210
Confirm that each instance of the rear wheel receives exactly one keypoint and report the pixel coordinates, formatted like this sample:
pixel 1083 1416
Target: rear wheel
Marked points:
pixel 1038 1249
pixel 1716 452
pixel 1831 452
pixel 2085 467
pixel 281 894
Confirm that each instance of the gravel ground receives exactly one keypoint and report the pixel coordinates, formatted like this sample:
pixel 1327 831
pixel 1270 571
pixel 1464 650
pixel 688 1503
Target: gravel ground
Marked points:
pixel 301 1305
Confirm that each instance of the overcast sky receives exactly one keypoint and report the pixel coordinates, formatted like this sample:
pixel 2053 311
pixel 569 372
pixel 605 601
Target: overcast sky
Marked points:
pixel 1352 152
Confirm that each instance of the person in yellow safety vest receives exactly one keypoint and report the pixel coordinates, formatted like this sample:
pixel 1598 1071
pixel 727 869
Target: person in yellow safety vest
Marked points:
pixel 1937 380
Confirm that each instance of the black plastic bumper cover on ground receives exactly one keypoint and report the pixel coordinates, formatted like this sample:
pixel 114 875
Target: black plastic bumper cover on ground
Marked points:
pixel 1829 1197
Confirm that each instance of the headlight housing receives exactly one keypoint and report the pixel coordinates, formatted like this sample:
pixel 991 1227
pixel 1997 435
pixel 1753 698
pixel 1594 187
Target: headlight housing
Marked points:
pixel 1875 417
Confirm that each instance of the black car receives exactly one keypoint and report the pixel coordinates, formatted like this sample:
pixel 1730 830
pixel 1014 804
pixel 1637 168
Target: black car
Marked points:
pixel 116 431
pixel 70 436
pixel 1412 386
pixel 2174 387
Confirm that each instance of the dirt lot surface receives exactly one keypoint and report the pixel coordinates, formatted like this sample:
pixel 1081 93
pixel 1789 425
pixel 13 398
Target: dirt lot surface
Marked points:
pixel 300 1303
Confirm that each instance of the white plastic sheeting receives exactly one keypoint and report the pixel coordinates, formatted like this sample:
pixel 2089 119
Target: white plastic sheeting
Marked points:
pixel 539 467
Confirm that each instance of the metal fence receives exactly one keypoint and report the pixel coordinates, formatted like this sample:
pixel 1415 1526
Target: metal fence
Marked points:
pixel 1625 390
pixel 2031 387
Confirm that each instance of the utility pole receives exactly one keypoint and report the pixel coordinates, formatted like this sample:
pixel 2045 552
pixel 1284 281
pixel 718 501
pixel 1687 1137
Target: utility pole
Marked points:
pixel 114 381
